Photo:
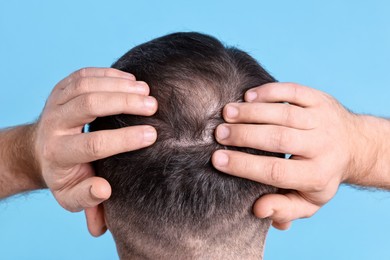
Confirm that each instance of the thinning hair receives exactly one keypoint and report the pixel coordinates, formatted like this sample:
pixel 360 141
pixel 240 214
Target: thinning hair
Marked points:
pixel 169 196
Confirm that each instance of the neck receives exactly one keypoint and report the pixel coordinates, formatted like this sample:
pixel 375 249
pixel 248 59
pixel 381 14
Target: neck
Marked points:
pixel 241 240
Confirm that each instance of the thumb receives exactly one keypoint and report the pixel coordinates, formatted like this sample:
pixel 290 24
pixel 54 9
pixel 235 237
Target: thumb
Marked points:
pixel 86 194
pixel 284 208
pixel 281 226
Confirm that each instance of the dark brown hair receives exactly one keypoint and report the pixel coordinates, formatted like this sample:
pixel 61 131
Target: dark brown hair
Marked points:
pixel 173 183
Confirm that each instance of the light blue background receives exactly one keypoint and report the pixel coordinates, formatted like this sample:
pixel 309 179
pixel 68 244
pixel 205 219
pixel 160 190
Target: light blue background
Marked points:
pixel 341 47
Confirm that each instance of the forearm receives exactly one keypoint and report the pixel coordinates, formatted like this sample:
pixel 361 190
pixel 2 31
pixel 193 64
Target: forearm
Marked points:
pixel 373 155
pixel 18 168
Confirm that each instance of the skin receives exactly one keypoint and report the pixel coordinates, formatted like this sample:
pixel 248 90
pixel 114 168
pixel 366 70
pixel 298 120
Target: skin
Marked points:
pixel 308 127
pixel 329 144
pixel 54 153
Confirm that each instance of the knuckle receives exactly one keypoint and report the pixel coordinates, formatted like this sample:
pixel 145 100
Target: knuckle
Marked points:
pixel 81 84
pixel 279 140
pixel 142 83
pixel 246 165
pixel 108 72
pixel 294 91
pixel 81 73
pixel 128 100
pixel 288 119
pixel 88 102
pixel 319 184
pixel 276 172
pixel 244 134
pixel 111 72
pixel 94 146
pixel 292 86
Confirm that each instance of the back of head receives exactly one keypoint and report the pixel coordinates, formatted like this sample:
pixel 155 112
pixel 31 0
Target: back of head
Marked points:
pixel 168 201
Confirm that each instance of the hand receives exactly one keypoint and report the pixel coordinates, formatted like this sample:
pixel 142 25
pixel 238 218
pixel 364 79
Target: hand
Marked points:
pixel 64 152
pixel 317 130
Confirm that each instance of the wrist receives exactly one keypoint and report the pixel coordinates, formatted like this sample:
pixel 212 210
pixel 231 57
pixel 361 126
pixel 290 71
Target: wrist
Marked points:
pixel 19 171
pixel 32 158
pixel 370 152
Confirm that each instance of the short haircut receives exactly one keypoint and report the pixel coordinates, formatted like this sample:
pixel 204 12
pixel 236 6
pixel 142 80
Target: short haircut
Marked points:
pixel 172 185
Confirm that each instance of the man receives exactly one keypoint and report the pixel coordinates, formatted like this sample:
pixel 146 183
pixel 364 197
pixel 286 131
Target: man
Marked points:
pixel 168 201
pixel 29 154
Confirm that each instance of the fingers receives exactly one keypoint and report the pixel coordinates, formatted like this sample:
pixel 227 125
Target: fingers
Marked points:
pixel 283 173
pixel 269 113
pixel 92 105
pixel 101 72
pixel 93 72
pixel 284 92
pixel 265 137
pixel 87 147
pixel 284 208
pixel 100 188
pixel 95 84
pixel 85 194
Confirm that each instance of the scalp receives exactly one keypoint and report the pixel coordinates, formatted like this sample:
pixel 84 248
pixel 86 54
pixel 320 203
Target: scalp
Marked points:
pixel 172 185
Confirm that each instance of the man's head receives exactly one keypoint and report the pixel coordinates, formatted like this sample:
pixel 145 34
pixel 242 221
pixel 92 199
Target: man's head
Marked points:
pixel 168 200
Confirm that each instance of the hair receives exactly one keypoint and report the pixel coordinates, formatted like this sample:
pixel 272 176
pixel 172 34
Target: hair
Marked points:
pixel 168 200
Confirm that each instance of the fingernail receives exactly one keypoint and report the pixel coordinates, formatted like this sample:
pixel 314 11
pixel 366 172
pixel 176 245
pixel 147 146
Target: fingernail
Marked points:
pixel 250 96
pixel 221 159
pixel 150 102
pixel 223 132
pixel 93 192
pixel 150 135
pixel 231 111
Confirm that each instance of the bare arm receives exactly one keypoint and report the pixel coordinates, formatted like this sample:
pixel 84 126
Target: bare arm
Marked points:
pixel 55 153
pixel 329 144
pixel 372 153
pixel 19 170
